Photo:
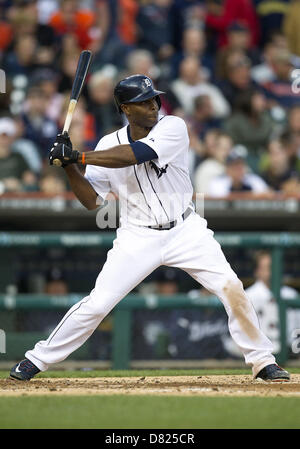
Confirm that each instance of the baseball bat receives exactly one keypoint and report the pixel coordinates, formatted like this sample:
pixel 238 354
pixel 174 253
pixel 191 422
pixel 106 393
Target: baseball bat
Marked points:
pixel 82 69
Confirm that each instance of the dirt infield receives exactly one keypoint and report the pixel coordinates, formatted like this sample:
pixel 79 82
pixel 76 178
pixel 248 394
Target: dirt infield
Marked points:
pixel 206 385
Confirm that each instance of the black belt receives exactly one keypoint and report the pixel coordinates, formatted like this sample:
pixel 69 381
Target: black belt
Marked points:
pixel 171 224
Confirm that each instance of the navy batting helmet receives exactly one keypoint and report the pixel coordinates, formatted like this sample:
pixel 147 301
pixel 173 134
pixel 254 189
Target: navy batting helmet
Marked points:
pixel 134 89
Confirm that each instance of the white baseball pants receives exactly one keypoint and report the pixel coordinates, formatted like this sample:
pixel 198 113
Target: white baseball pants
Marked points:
pixel 137 252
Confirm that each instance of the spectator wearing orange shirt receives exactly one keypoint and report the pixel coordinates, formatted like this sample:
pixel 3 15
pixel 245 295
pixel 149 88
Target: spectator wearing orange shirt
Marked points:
pixel 89 27
pixel 127 13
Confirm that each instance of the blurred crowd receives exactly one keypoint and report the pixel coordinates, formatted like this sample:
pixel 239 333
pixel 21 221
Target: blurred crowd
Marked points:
pixel 229 68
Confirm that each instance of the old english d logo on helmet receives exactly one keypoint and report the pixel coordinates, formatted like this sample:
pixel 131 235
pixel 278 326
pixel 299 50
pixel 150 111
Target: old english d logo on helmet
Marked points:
pixel 134 89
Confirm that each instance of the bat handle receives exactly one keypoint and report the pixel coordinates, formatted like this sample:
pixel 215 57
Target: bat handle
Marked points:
pixel 69 116
pixel 67 124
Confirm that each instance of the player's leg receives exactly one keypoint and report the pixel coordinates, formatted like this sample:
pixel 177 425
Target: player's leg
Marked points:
pixel 199 254
pixel 132 258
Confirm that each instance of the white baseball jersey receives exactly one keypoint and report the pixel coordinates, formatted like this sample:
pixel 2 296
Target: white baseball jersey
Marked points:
pixel 155 192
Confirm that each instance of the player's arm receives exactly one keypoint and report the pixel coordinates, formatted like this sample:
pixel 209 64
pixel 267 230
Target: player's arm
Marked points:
pixel 119 156
pixel 115 157
pixel 81 187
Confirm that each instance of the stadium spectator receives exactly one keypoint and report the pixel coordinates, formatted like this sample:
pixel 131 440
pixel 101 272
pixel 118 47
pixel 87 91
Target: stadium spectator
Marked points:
pixel 237 178
pixel 239 39
pixel 120 34
pixel 56 283
pixel 196 150
pixel 250 124
pixel 293 123
pixel 291 26
pixel 52 182
pixel 279 90
pixel 167 281
pixel 265 304
pixel 271 16
pixel 210 140
pixel 101 102
pixel 185 14
pixel 263 72
pixel 194 43
pixel 27 148
pixel 237 75
pixel 19 60
pixel 23 17
pixel 220 16
pixel 142 61
pixel 68 63
pixel 203 117
pixel 192 83
pixel 23 20
pixel 37 126
pixel 89 27
pixel 154 28
pixel 48 80
pixel 46 8
pixel 279 39
pixel 214 163
pixel 279 174
pixel 291 136
pixel 6 32
pixel 68 44
pixel 200 149
pixel 291 142
pixel 15 174
pixel 127 25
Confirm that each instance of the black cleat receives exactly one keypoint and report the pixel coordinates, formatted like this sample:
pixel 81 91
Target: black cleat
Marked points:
pixel 24 370
pixel 273 373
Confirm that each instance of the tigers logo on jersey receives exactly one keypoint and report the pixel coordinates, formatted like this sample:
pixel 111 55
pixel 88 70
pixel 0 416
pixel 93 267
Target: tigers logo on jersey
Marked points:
pixel 158 171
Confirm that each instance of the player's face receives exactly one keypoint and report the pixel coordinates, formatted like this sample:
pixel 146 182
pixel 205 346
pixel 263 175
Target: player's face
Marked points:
pixel 143 113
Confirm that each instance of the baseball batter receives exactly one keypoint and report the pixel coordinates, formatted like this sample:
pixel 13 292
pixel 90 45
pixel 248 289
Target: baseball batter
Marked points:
pixel 146 165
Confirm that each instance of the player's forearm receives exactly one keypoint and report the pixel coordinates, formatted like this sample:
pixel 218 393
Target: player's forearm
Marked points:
pixel 81 187
pixel 116 157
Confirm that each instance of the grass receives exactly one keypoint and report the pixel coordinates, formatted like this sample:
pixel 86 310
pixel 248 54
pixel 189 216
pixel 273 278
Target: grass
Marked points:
pixel 140 373
pixel 133 373
pixel 147 412
pixel 144 412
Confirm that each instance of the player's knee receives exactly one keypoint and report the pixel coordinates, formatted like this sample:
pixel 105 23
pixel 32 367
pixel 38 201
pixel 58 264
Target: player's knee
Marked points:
pixel 102 304
pixel 235 283
pixel 101 309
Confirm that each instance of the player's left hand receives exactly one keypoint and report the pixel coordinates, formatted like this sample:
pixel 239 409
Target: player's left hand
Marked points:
pixel 64 153
pixel 64 138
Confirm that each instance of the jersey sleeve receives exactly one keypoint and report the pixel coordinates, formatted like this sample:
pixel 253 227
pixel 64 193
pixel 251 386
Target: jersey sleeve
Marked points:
pixel 143 152
pixel 98 177
pixel 168 139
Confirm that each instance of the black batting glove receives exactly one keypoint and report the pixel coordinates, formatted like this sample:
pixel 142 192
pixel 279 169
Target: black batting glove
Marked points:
pixel 64 153
pixel 64 138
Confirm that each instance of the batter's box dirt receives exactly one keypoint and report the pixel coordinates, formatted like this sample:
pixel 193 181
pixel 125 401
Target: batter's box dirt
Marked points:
pixel 230 385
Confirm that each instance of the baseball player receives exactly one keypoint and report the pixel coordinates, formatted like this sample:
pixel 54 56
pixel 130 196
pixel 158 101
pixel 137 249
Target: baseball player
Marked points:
pixel 146 165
